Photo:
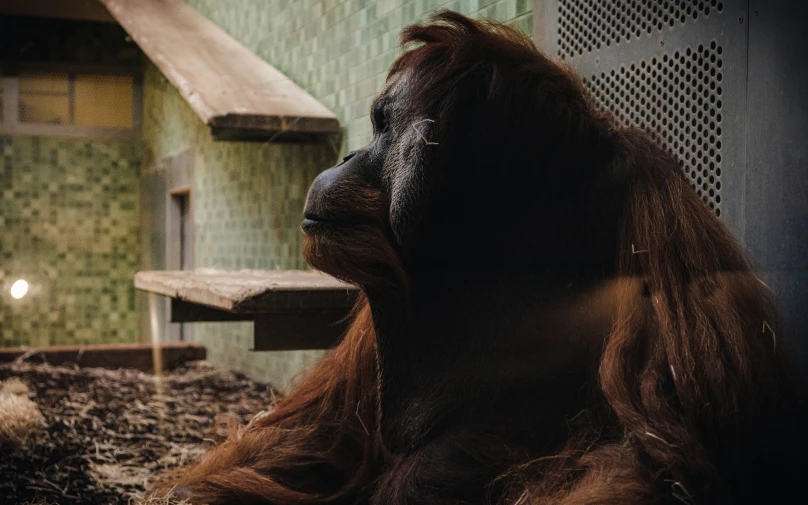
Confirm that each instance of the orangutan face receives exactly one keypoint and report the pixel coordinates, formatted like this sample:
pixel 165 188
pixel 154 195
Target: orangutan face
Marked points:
pixel 369 205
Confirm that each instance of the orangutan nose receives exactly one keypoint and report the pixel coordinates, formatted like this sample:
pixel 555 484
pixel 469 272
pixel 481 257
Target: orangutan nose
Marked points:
pixel 316 201
pixel 322 185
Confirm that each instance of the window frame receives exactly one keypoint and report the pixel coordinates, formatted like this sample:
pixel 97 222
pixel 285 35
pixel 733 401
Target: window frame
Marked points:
pixel 11 125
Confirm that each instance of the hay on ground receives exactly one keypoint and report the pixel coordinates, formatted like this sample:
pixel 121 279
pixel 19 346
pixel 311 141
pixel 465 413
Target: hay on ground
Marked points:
pixel 105 435
pixel 21 422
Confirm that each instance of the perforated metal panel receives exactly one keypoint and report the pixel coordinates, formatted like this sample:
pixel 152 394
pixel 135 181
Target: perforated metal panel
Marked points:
pixel 587 25
pixel 674 68
pixel 676 97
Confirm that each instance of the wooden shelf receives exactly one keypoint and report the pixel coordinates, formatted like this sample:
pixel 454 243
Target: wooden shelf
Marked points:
pixel 236 93
pixel 291 309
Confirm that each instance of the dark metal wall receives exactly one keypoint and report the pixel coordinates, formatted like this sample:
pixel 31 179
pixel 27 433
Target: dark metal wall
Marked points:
pixel 776 210
pixel 724 87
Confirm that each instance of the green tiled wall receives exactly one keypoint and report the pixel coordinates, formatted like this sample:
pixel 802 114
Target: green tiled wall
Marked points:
pixel 68 207
pixel 248 197
pixel 68 225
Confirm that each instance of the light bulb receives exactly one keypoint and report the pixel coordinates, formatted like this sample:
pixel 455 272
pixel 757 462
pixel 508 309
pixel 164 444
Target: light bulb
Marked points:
pixel 19 289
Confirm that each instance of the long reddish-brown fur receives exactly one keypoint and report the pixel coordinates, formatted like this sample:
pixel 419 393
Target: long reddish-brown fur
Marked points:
pixel 695 397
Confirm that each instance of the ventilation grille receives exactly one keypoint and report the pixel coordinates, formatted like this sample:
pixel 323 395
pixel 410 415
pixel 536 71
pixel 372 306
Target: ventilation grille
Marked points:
pixel 588 25
pixel 677 98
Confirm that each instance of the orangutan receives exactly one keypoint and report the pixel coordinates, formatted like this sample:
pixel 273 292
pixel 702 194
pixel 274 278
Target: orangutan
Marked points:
pixel 549 313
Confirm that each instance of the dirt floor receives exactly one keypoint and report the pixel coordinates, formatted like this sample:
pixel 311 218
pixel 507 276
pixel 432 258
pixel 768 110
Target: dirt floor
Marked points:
pixel 106 434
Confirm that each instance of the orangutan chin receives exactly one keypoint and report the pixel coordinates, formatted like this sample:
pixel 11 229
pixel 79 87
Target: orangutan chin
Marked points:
pixel 550 315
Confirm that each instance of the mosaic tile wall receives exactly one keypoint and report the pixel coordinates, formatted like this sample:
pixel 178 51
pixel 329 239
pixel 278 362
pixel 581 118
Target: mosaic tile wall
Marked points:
pixel 248 197
pixel 69 226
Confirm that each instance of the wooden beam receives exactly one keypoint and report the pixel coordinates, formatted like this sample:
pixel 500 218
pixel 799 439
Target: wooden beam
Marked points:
pixel 226 84
pixel 187 312
pixel 299 330
pixel 250 291
pixel 112 356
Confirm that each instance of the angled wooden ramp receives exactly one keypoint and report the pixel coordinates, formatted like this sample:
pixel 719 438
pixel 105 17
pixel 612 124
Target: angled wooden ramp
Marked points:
pixel 236 93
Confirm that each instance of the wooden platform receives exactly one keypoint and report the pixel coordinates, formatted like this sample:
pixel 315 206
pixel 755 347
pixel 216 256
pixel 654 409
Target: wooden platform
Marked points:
pixel 236 93
pixel 112 356
pixel 291 309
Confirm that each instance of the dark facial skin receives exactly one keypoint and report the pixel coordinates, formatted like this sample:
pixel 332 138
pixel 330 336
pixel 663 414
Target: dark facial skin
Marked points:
pixel 388 166
pixel 364 164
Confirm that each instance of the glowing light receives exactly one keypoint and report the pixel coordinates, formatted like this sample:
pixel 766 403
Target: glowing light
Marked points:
pixel 19 289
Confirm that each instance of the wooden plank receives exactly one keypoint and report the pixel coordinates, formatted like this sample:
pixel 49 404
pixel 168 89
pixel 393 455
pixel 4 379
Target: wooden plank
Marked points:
pixel 226 84
pixel 187 312
pixel 251 291
pixel 299 330
pixel 112 356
